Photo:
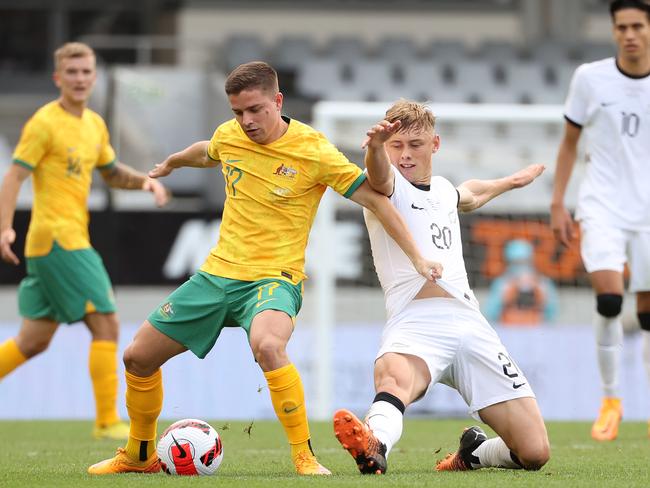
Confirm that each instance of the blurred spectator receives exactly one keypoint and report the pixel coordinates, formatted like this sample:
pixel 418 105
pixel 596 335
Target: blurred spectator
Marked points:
pixel 521 296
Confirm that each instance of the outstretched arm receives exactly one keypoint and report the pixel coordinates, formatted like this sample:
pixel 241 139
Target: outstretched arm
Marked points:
pixel 476 193
pixel 194 156
pixel 396 228
pixel 11 184
pixel 380 173
pixel 124 177
pixel 561 221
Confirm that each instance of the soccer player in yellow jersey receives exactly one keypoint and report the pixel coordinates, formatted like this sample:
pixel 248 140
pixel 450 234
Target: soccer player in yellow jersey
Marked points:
pixel 275 171
pixel 66 281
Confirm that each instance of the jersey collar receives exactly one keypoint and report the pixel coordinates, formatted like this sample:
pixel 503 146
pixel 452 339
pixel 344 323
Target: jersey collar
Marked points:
pixel 422 187
pixel 628 75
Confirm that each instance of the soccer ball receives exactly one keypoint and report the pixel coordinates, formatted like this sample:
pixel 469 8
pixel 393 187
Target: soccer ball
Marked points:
pixel 190 447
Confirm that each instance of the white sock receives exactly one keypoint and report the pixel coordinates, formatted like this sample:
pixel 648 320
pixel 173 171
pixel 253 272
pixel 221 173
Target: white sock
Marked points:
pixel 494 453
pixel 645 339
pixel 385 420
pixel 609 343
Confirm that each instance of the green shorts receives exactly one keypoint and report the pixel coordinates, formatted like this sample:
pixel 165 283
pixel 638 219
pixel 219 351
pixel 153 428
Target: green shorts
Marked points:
pixel 65 285
pixel 196 312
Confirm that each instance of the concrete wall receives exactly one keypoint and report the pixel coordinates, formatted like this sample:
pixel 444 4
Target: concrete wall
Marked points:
pixel 214 26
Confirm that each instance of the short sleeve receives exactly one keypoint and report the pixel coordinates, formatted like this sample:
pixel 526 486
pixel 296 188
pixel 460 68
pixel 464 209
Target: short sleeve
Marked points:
pixel 577 101
pixel 34 143
pixel 336 171
pixel 213 152
pixel 447 191
pixel 106 159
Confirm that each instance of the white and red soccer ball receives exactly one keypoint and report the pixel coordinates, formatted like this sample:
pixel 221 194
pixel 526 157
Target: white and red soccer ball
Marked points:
pixel 190 447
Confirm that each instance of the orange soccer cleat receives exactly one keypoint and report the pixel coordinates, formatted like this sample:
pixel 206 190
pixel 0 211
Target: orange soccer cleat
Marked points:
pixel 355 436
pixel 307 464
pixel 605 427
pixel 123 463
pixel 462 459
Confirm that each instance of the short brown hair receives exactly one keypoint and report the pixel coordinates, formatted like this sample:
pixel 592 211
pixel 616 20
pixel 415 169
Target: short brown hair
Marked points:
pixel 72 50
pixel 414 116
pixel 256 74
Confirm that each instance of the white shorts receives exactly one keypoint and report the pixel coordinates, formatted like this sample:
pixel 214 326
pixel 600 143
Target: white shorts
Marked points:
pixel 604 247
pixel 460 348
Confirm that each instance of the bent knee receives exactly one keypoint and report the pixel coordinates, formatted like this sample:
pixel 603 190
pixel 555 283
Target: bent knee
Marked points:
pixel 609 305
pixel 387 383
pixel 533 458
pixel 268 352
pixel 29 349
pixel 137 364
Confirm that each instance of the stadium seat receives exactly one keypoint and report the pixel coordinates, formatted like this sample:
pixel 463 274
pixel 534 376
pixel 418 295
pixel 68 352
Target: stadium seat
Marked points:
pixel 548 52
pixel 375 79
pixel 594 51
pixel 316 75
pixel 289 53
pixel 446 50
pixel 498 52
pixel 526 80
pixel 396 49
pixel 324 79
pixel 479 81
pixel 563 73
pixel 348 49
pixel 242 49
pixel 422 80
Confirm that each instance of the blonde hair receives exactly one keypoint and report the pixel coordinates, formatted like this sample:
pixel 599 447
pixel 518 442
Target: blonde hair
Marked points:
pixel 72 50
pixel 414 116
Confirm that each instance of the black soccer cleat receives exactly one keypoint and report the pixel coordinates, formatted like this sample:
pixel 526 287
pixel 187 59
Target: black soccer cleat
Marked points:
pixel 463 459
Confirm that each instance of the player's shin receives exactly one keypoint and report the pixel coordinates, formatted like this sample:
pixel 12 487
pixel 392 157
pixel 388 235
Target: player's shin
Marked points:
pixel 644 320
pixel 385 419
pixel 288 398
pixel 10 357
pixel 102 364
pixel 494 453
pixel 609 340
pixel 144 398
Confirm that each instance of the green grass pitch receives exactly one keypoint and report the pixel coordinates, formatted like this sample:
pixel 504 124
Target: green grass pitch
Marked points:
pixel 49 454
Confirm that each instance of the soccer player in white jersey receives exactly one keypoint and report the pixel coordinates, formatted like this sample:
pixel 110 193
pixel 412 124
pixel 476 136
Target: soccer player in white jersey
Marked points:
pixel 435 332
pixel 609 106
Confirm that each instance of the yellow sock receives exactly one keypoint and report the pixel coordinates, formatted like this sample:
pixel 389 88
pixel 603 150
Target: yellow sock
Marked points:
pixel 144 398
pixel 102 363
pixel 10 357
pixel 288 398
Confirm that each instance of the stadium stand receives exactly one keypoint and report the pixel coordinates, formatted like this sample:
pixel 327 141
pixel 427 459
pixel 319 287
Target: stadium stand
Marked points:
pixel 444 67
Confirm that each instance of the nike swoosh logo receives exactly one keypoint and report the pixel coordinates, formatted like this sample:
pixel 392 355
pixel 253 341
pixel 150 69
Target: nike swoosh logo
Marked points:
pixel 607 104
pixel 233 160
pixel 259 304
pixel 182 453
pixel 289 410
pixel 416 208
pixel 515 385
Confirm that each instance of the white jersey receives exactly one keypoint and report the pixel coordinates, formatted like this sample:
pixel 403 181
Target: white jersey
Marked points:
pixel 432 218
pixel 613 110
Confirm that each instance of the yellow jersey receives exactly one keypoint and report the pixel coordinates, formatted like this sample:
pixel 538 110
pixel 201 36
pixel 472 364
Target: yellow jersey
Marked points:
pixel 61 149
pixel 272 194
